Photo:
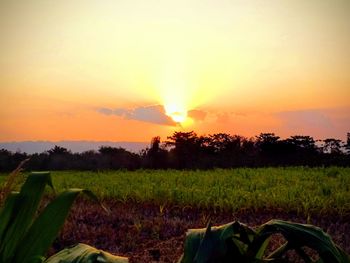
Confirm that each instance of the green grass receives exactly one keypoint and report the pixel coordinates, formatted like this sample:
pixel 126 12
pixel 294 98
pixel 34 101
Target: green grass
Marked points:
pixel 299 189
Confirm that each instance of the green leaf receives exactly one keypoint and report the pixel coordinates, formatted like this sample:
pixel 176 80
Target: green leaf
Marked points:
pixel 24 208
pixel 299 235
pixel 261 251
pixel 192 242
pixel 6 214
pixel 214 244
pixel 82 253
pixel 45 228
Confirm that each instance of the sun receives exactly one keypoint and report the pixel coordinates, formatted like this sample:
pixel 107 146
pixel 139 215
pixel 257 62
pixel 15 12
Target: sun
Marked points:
pixel 177 113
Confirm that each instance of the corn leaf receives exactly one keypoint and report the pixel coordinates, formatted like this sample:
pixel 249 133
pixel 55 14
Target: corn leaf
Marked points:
pixel 23 210
pixel 46 227
pixel 299 235
pixel 192 243
pixel 6 214
pixel 83 253
pixel 213 244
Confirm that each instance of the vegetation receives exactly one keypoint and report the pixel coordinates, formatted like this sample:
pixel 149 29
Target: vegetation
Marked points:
pixel 187 150
pixel 25 237
pixel 300 189
pixel 236 242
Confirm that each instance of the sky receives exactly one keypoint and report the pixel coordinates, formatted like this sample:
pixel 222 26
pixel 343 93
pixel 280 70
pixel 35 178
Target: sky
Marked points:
pixel 126 70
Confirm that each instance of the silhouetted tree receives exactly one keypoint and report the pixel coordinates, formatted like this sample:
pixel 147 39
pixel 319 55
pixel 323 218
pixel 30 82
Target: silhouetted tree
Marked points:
pixel 59 158
pixel 9 161
pixel 303 142
pixel 58 150
pixel 268 147
pixel 184 149
pixel 155 157
pixel 347 145
pixel 332 146
pixel 117 158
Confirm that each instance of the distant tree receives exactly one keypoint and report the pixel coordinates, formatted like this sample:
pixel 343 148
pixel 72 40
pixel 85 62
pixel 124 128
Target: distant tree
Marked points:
pixel 267 139
pixel 223 142
pixel 155 157
pixel 59 158
pixel 58 150
pixel 185 148
pixel 228 149
pixel 268 147
pixel 108 150
pixel 304 142
pixel 332 146
pixel 5 160
pixel 117 158
pixel 347 145
pixel 304 150
pixel 155 144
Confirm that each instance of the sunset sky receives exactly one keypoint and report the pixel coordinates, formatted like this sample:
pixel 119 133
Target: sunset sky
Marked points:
pixel 124 70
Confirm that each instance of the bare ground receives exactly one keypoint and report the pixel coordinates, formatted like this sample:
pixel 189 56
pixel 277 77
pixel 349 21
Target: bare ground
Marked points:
pixel 155 233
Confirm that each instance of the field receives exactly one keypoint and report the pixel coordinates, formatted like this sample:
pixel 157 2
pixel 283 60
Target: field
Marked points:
pixel 304 190
pixel 151 210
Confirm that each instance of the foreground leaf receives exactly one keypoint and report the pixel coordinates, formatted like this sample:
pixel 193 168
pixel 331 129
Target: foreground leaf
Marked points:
pixel 300 235
pixel 82 253
pixel 23 209
pixel 216 244
pixel 45 229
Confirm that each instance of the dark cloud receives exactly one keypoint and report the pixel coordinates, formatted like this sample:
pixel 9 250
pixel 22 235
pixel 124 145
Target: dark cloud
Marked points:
pixel 153 114
pixel 197 115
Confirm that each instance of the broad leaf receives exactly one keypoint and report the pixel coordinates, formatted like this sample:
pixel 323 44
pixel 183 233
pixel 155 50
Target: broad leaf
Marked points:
pixel 24 208
pixel 45 228
pixel 299 235
pixel 7 212
pixel 82 253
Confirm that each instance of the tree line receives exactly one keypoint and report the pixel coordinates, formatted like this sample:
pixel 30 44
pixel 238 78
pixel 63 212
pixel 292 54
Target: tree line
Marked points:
pixel 187 150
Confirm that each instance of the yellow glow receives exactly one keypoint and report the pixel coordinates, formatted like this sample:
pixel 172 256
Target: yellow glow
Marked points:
pixel 234 58
pixel 177 113
pixel 177 86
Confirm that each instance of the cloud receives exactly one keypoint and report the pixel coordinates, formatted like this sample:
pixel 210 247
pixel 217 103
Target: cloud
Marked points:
pixel 152 114
pixel 222 117
pixel 197 115
pixel 305 118
pixel 323 123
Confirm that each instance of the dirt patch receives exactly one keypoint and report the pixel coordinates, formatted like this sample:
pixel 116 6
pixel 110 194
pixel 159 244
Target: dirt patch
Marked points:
pixel 153 233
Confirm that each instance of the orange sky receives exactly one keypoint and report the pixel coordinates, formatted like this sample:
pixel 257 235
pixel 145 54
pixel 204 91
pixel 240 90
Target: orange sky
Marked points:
pixel 115 70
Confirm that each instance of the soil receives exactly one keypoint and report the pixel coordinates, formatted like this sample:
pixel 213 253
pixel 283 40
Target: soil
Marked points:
pixel 155 233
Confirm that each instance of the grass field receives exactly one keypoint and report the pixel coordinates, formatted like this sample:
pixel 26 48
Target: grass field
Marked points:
pixel 299 189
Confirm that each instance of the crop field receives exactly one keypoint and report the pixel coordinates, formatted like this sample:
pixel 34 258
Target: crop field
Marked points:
pixel 304 190
pixel 152 209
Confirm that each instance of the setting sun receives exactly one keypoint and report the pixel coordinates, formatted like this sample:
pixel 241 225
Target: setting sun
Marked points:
pixel 178 114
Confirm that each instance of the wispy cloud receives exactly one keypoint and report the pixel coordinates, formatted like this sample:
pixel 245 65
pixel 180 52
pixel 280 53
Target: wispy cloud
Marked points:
pixel 198 115
pixel 331 122
pixel 152 114
pixel 306 118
